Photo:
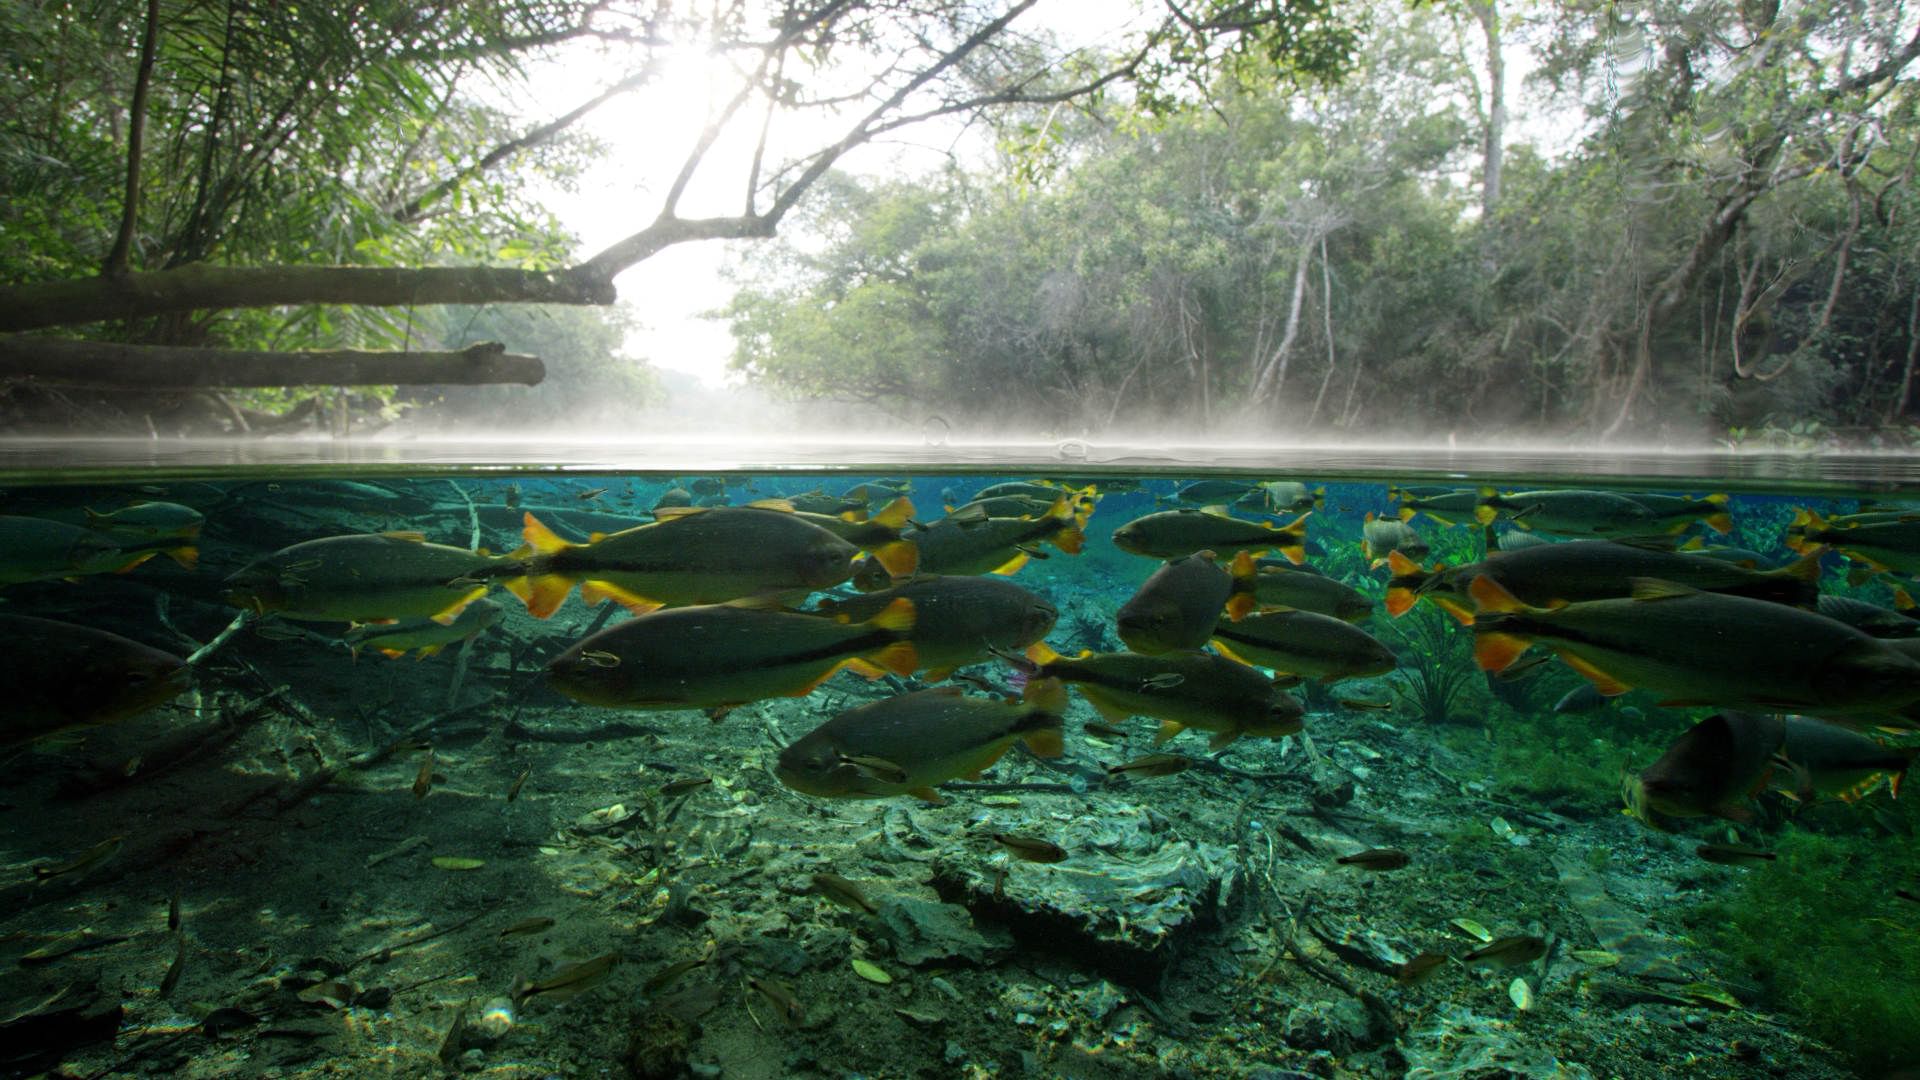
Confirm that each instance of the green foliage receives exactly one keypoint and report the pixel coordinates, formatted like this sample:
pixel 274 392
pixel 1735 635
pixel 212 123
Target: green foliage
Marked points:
pixel 1823 934
pixel 590 385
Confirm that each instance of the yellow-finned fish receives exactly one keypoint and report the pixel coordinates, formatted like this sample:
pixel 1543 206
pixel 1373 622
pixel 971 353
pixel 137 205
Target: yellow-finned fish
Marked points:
pixel 1709 770
pixel 1701 648
pixel 148 521
pixel 1180 689
pixel 59 677
pixel 1827 759
pixel 722 655
pixel 957 620
pixel 367 577
pixel 1279 584
pixel 996 545
pixel 1178 606
pixel 931 736
pixel 1884 543
pixel 427 636
pixel 1674 513
pixel 1384 536
pixel 40 549
pixel 1570 512
pixel 1304 643
pixel 1171 534
pixel 881 535
pixel 691 555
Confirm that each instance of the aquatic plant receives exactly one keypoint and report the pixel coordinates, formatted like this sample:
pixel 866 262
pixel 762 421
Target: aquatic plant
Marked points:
pixel 1436 664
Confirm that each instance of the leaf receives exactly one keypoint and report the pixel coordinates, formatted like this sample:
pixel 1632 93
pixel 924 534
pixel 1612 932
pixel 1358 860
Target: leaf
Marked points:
pixel 870 972
pixel 456 862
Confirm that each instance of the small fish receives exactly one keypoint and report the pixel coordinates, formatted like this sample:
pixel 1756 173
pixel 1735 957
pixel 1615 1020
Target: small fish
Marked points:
pixel 1152 765
pixel 1105 731
pixel 675 788
pixel 591 493
pixel 1907 894
pixel 1509 951
pixel 527 926
pixel 1376 859
pixel 87 860
pixel 1420 968
pixel 71 942
pixel 1522 666
pixel 668 975
pixel 172 977
pixel 1030 848
pixel 513 789
pixel 572 980
pixel 782 1000
pixel 1363 704
pixel 1472 929
pixel 843 892
pixel 423 780
pixel 456 1037
pixel 1733 854
pixel 173 911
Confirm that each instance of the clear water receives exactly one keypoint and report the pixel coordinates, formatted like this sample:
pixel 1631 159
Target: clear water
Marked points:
pixel 352 875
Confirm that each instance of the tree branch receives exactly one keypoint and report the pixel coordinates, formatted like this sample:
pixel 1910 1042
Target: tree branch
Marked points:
pixel 101 365
pixel 136 131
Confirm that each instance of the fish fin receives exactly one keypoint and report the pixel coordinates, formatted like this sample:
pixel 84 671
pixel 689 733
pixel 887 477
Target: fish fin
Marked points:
pixel 595 537
pixel 1049 696
pixel 901 657
pixel 1403 566
pixel 928 795
pixel 1239 606
pixel 1497 652
pixel 1717 499
pixel 898 615
pixel 1806 568
pixel 900 558
pixel 1606 684
pixel 137 560
pixel 1695 544
pixel 1041 653
pixel 1902 600
pixel 1294 547
pixel 1070 539
pixel 1168 729
pixel 785 506
pixel 673 513
pixel 1732 810
pixel 895 514
pixel 411 536
pixel 393 654
pixel 452 611
pixel 187 556
pixel 1217 511
pixel 1485 514
pixel 1400 599
pixel 1651 589
pixel 428 651
pixel 865 669
pixel 1108 711
pixel 1489 595
pixel 937 674
pixel 968 515
pixel 1721 523
pixel 1227 651
pixel 1408 513
pixel 542 540
pixel 1012 565
pixel 1222 739
pixel 1046 742
pixel 542 593
pixel 595 593
pixel 1460 611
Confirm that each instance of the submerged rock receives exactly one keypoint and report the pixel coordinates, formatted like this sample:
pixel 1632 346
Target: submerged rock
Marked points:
pixel 928 932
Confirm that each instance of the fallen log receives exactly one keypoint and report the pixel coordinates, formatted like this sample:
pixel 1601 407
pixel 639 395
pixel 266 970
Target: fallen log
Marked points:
pixel 105 365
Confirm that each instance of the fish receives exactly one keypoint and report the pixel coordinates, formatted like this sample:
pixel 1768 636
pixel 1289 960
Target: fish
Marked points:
pixel 513 789
pixel 144 521
pixel 1031 848
pixel 1419 969
pixel 569 982
pixel 423 780
pixel 1026 489
pixel 1150 766
pixel 366 577
pixel 1288 496
pixel 1179 605
pixel 532 925
pixel 1908 894
pixel 590 494
pixel 931 735
pixel 843 892
pixel 1380 537
pixel 996 545
pixel 1172 534
pixel 1674 513
pixel 1570 512
pixel 60 677
pixel 958 620
pixel 171 979
pixel 1554 574
pixel 1709 770
pixel 675 788
pixel 722 655
pixel 81 863
pixel 707 486
pixel 691 555
pixel 1883 544
pixel 1701 648
pixel 670 974
pixel 1104 731
pixel 1376 859
pixel 1827 759
pixel 785 1005
pixel 672 498
pixel 1581 699
pixel 1448 506
pixel 1306 644
pixel 173 911
pixel 1211 492
pixel 880 535
pixel 1227 699
pixel 1869 618
pixel 1508 952
pixel 41 549
pixel 1004 506
pixel 1733 854
pixel 1280 585
pixel 426 636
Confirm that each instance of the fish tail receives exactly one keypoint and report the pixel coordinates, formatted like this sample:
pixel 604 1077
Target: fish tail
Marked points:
pixel 1241 600
pixel 1399 599
pixel 901 658
pixel 1043 731
pixel 1407 513
pixel 1041 654
pixel 897 616
pixel 540 539
pixel 900 558
pixel 896 513
pixel 1320 497
pixel 1902 599
pixel 1047 695
pixel 1893 780
pixel 542 593
pixel 1294 542
pixel 186 555
pixel 1490 596
pixel 1070 539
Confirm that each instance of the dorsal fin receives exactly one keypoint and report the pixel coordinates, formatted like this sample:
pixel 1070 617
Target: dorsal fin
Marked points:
pixel 785 506
pixel 1646 588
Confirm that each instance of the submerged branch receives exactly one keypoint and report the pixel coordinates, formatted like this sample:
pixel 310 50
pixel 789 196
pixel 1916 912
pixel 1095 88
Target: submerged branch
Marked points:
pixel 112 366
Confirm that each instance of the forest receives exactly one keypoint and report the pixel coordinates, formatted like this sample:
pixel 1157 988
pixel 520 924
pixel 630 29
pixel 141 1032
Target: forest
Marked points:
pixel 1676 223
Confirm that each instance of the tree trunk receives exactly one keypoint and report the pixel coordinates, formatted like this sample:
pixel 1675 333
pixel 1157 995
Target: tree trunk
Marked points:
pixel 101 365
pixel 1273 377
pixel 1493 138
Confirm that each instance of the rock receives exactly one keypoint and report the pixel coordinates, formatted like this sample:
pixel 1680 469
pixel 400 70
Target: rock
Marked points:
pixel 1339 1026
pixel 927 932
pixel 657 1045
pixel 1119 905
pixel 777 955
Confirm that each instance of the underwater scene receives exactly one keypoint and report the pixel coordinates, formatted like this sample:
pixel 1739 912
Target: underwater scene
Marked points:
pixel 956 775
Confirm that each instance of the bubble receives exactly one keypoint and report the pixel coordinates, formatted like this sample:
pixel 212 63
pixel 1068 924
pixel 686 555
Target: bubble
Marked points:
pixel 1072 450
pixel 934 431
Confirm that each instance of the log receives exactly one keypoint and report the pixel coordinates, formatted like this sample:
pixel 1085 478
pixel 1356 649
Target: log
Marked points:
pixel 104 365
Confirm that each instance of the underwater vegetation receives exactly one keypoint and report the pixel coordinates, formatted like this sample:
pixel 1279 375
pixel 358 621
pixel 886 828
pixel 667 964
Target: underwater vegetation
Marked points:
pixel 764 776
